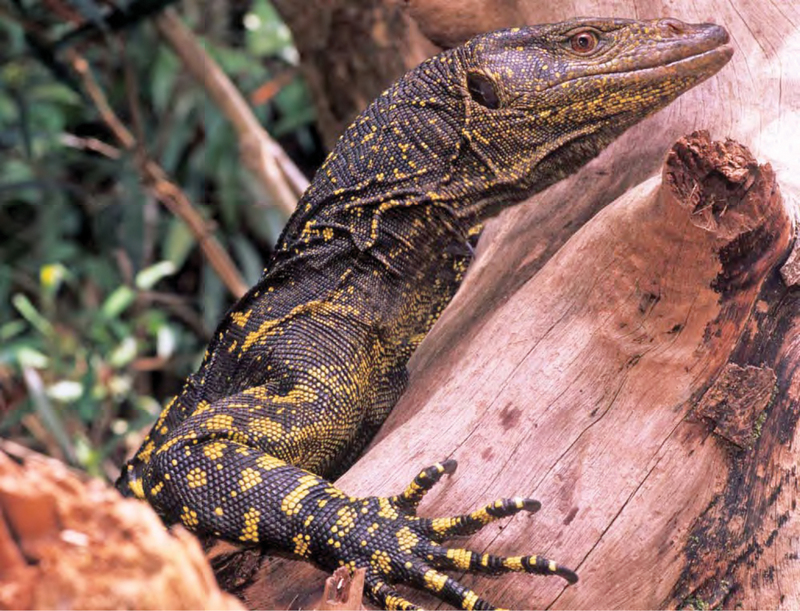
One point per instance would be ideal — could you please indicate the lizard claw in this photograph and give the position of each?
(409, 500)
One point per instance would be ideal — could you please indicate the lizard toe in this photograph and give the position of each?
(449, 558)
(470, 523)
(384, 594)
(410, 498)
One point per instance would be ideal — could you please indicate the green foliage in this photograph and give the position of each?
(105, 299)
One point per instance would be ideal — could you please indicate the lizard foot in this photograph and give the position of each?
(397, 547)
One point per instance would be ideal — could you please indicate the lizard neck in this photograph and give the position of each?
(399, 259)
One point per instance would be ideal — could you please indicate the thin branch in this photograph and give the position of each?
(157, 182)
(264, 157)
(150, 213)
(90, 144)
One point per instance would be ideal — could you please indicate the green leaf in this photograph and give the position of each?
(11, 329)
(49, 417)
(267, 34)
(213, 297)
(249, 258)
(150, 276)
(65, 391)
(123, 354)
(31, 358)
(166, 341)
(117, 302)
(31, 314)
(165, 70)
(178, 243)
(15, 171)
(92, 12)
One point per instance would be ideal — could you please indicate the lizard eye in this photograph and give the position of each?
(482, 90)
(583, 42)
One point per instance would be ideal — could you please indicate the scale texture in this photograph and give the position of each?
(303, 371)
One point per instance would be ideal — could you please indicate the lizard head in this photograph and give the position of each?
(541, 101)
(487, 124)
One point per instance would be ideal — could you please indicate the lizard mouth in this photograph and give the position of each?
(692, 59)
(701, 65)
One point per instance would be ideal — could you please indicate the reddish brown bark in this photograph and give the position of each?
(67, 542)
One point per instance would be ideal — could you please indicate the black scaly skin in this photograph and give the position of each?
(305, 368)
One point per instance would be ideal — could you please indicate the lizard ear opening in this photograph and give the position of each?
(482, 90)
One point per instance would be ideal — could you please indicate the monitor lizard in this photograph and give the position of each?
(303, 370)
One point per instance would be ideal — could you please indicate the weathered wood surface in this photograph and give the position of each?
(67, 542)
(623, 432)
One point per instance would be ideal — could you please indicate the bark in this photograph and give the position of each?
(67, 542)
(634, 366)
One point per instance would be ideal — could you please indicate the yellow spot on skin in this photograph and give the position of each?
(250, 530)
(290, 505)
(469, 600)
(218, 511)
(345, 522)
(219, 422)
(435, 580)
(147, 451)
(514, 563)
(271, 430)
(189, 517)
(157, 488)
(136, 487)
(259, 334)
(442, 525)
(386, 510)
(249, 478)
(240, 318)
(406, 539)
(214, 450)
(267, 462)
(552, 566)
(381, 561)
(301, 544)
(196, 477)
(461, 558)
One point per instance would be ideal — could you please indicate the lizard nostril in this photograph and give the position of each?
(672, 27)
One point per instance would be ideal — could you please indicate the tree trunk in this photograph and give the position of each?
(639, 372)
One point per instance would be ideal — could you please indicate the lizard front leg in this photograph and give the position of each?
(214, 476)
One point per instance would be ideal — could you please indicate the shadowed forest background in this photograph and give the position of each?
(106, 300)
